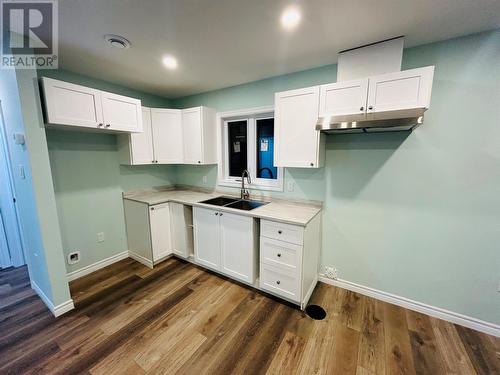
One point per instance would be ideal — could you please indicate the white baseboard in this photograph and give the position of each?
(56, 310)
(437, 312)
(141, 259)
(96, 266)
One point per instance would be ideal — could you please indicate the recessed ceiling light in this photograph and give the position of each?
(117, 41)
(290, 18)
(170, 62)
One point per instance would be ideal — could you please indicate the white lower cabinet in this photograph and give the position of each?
(289, 256)
(148, 231)
(226, 243)
(181, 224)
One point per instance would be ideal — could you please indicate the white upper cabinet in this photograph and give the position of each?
(70, 104)
(167, 135)
(343, 98)
(297, 143)
(400, 90)
(67, 104)
(199, 135)
(121, 113)
(141, 144)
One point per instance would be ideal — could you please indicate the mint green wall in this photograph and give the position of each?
(414, 214)
(89, 181)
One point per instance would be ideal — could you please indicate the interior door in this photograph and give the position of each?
(400, 90)
(297, 141)
(237, 245)
(159, 218)
(167, 135)
(192, 136)
(206, 237)
(70, 104)
(343, 98)
(121, 113)
(142, 143)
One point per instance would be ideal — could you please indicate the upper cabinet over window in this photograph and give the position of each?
(71, 105)
(298, 144)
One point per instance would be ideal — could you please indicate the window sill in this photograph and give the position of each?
(234, 184)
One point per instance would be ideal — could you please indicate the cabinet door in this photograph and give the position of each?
(343, 98)
(237, 237)
(167, 135)
(159, 217)
(206, 237)
(121, 113)
(181, 223)
(401, 90)
(297, 142)
(69, 104)
(192, 135)
(141, 144)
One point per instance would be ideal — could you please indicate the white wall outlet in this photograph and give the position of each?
(290, 185)
(205, 179)
(331, 272)
(22, 172)
(100, 237)
(73, 257)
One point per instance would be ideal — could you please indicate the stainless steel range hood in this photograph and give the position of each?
(407, 119)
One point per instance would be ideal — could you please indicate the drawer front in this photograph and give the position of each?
(280, 282)
(280, 253)
(283, 232)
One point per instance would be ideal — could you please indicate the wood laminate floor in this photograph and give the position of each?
(181, 319)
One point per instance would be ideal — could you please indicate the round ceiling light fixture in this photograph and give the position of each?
(290, 18)
(117, 41)
(170, 62)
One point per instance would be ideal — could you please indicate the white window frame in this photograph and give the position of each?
(250, 115)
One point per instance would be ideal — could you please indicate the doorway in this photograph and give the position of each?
(11, 249)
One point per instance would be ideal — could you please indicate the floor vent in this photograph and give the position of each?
(316, 312)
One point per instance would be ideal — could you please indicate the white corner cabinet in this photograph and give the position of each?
(289, 257)
(171, 136)
(79, 107)
(407, 89)
(226, 243)
(297, 143)
(155, 232)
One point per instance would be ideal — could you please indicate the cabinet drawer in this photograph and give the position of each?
(280, 253)
(283, 232)
(280, 282)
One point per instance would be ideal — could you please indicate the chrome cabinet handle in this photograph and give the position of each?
(216, 213)
(220, 214)
(311, 164)
(279, 232)
(370, 107)
(362, 108)
(278, 282)
(279, 255)
(100, 124)
(107, 125)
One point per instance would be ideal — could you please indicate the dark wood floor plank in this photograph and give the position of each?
(179, 318)
(481, 353)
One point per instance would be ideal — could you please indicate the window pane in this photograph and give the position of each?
(265, 149)
(237, 143)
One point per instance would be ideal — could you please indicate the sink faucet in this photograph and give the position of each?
(245, 194)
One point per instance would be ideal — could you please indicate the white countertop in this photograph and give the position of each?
(278, 210)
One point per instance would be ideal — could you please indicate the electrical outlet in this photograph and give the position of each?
(290, 186)
(100, 237)
(331, 272)
(205, 179)
(74, 257)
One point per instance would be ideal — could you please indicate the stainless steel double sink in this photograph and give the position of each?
(239, 204)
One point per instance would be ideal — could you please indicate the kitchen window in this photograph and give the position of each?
(247, 142)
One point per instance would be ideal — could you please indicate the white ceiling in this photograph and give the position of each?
(221, 43)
